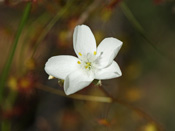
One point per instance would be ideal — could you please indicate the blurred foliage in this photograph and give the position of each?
(141, 100)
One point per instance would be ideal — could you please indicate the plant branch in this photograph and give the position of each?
(74, 96)
(107, 99)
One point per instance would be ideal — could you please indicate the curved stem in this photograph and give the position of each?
(108, 99)
(127, 12)
(74, 96)
(5, 125)
(7, 66)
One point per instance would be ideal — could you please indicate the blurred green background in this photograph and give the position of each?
(147, 61)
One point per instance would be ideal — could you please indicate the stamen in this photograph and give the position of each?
(95, 52)
(88, 63)
(51, 77)
(79, 62)
(80, 54)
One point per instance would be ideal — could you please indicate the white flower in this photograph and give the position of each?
(92, 63)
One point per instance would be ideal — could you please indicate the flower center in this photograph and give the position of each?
(87, 61)
(88, 65)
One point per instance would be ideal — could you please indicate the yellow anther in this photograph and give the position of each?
(95, 52)
(86, 67)
(51, 77)
(88, 63)
(80, 54)
(79, 62)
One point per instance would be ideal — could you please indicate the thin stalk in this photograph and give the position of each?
(127, 12)
(5, 125)
(7, 66)
(74, 96)
(10, 100)
(105, 99)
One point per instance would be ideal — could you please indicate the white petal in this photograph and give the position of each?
(83, 40)
(107, 50)
(61, 66)
(76, 81)
(109, 72)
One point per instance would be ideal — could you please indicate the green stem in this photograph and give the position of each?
(10, 100)
(8, 63)
(50, 25)
(140, 29)
(131, 17)
(8, 105)
(5, 125)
